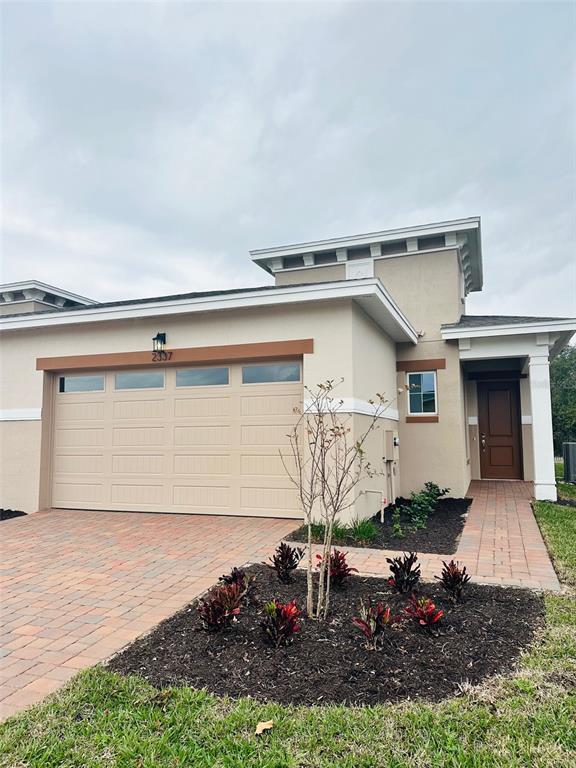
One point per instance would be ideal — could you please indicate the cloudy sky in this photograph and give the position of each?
(147, 147)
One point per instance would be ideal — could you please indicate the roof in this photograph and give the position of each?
(40, 287)
(463, 234)
(482, 321)
(368, 293)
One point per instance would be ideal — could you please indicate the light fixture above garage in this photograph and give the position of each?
(159, 342)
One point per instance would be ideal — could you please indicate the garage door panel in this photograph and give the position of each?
(140, 409)
(71, 493)
(78, 464)
(79, 438)
(203, 450)
(203, 496)
(203, 407)
(83, 411)
(138, 464)
(137, 494)
(215, 434)
(202, 464)
(269, 405)
(138, 436)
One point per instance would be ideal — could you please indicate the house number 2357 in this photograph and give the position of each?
(161, 355)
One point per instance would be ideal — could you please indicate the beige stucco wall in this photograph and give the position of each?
(327, 273)
(336, 328)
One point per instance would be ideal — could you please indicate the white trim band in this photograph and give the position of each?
(20, 414)
(526, 419)
(360, 407)
(472, 421)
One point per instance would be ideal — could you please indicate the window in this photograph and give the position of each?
(260, 374)
(93, 383)
(422, 393)
(202, 377)
(140, 380)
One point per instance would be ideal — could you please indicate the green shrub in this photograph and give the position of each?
(317, 530)
(339, 532)
(363, 531)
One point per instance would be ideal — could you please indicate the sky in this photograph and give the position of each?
(146, 147)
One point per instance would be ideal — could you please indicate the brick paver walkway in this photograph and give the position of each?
(78, 586)
(500, 544)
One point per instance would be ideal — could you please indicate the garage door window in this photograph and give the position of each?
(140, 380)
(262, 374)
(202, 377)
(81, 384)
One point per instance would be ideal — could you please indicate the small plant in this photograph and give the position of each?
(405, 572)
(246, 583)
(339, 532)
(285, 560)
(317, 530)
(434, 491)
(281, 623)
(220, 607)
(397, 529)
(339, 568)
(373, 622)
(418, 511)
(423, 611)
(453, 579)
(363, 531)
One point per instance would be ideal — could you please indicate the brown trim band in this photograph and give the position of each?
(421, 419)
(266, 350)
(436, 364)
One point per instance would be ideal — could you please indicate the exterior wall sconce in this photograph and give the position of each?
(159, 342)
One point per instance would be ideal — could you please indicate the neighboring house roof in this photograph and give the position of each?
(482, 321)
(368, 293)
(463, 234)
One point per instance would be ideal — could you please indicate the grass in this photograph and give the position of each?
(565, 490)
(102, 720)
(558, 526)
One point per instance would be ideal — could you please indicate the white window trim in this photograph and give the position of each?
(422, 413)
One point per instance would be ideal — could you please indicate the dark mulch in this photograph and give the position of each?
(328, 663)
(441, 535)
(8, 514)
(565, 502)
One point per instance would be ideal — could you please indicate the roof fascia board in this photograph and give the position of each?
(475, 332)
(458, 225)
(347, 289)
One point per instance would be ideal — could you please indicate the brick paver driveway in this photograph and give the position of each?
(78, 586)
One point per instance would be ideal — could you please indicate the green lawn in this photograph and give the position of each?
(565, 490)
(104, 720)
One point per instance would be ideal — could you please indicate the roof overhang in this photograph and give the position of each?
(559, 332)
(369, 294)
(25, 285)
(464, 234)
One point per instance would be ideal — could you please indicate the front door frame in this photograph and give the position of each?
(513, 384)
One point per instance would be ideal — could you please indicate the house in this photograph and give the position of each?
(181, 403)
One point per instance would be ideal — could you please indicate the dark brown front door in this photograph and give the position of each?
(499, 428)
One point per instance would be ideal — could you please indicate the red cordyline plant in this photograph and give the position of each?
(220, 606)
(423, 611)
(373, 622)
(405, 572)
(453, 579)
(285, 560)
(280, 623)
(246, 583)
(339, 568)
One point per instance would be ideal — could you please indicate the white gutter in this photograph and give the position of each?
(369, 293)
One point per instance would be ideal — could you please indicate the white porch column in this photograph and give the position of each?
(543, 444)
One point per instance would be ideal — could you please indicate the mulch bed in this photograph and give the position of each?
(328, 663)
(8, 514)
(441, 535)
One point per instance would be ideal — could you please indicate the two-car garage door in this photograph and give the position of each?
(196, 440)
